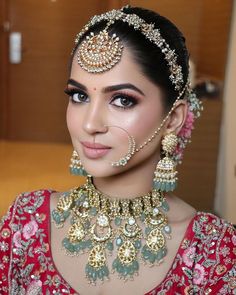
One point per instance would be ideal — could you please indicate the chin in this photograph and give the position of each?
(101, 170)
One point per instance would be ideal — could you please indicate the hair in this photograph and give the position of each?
(148, 55)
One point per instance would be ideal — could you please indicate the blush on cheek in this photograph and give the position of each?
(72, 120)
(143, 126)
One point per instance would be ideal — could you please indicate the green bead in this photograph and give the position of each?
(72, 221)
(135, 265)
(163, 186)
(57, 217)
(159, 256)
(137, 244)
(142, 217)
(165, 206)
(77, 247)
(152, 258)
(66, 214)
(145, 253)
(102, 270)
(115, 263)
(164, 252)
(65, 241)
(117, 221)
(100, 274)
(119, 241)
(84, 173)
(109, 246)
(106, 271)
(68, 246)
(174, 185)
(120, 268)
(156, 185)
(88, 268)
(89, 244)
(128, 270)
(168, 187)
(87, 224)
(125, 271)
(83, 245)
(147, 230)
(94, 275)
(93, 211)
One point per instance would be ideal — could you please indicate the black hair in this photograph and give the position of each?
(148, 55)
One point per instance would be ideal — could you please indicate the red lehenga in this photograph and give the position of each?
(204, 263)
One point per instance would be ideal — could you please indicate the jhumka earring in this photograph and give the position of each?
(165, 174)
(76, 167)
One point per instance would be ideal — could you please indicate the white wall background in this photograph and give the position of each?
(225, 203)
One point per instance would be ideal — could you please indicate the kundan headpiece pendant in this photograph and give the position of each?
(99, 53)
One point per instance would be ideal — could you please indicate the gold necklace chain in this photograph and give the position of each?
(135, 229)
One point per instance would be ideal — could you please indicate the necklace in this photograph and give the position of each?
(135, 229)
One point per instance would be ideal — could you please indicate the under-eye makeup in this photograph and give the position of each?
(76, 95)
(123, 100)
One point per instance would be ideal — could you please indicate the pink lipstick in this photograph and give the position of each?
(94, 150)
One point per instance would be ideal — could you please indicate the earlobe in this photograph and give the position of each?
(177, 117)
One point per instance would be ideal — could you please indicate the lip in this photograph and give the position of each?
(94, 150)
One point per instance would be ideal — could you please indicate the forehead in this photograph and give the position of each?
(125, 71)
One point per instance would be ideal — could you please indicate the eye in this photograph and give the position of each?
(77, 96)
(124, 101)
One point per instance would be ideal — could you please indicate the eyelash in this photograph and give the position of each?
(71, 92)
(132, 99)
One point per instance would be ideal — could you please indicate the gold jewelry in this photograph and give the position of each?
(99, 53)
(131, 149)
(165, 174)
(132, 145)
(76, 166)
(135, 228)
(93, 50)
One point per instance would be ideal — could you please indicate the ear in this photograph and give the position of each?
(177, 117)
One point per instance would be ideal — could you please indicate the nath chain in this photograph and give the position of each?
(156, 132)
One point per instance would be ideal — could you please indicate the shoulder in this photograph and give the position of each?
(24, 236)
(27, 204)
(213, 245)
(215, 235)
(206, 226)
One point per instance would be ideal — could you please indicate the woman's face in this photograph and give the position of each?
(105, 107)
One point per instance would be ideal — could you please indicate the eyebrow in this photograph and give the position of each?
(77, 84)
(108, 88)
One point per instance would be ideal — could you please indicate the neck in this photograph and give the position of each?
(132, 183)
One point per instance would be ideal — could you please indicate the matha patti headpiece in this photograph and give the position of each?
(99, 53)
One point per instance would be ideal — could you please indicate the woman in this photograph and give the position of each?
(130, 115)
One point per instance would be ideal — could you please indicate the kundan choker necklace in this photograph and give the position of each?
(135, 229)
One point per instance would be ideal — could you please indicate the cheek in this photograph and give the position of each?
(72, 119)
(142, 123)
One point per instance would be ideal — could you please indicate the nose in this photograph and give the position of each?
(94, 119)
